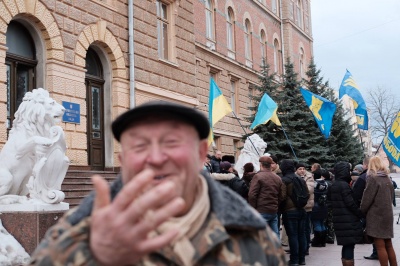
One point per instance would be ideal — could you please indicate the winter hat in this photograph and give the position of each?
(265, 159)
(209, 156)
(325, 173)
(359, 168)
(248, 167)
(225, 165)
(355, 173)
(298, 165)
(317, 174)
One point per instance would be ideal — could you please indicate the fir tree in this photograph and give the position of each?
(298, 122)
(341, 144)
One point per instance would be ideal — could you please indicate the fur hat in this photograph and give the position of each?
(298, 165)
(265, 159)
(225, 165)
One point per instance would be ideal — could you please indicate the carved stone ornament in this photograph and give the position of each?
(253, 149)
(33, 162)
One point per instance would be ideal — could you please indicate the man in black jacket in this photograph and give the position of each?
(215, 161)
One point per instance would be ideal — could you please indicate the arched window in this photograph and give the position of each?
(299, 14)
(276, 57)
(209, 19)
(301, 63)
(21, 65)
(247, 39)
(263, 40)
(230, 31)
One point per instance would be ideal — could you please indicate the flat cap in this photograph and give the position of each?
(167, 110)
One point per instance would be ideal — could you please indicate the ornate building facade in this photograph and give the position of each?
(106, 56)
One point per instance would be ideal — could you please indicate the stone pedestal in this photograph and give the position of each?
(28, 227)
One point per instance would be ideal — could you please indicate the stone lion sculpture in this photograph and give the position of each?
(253, 149)
(33, 161)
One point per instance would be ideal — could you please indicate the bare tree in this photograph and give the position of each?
(382, 109)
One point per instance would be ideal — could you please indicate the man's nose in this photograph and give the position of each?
(156, 155)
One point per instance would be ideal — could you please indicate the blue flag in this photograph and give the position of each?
(391, 142)
(322, 109)
(218, 107)
(350, 88)
(266, 111)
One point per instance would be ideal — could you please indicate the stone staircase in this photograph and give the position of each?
(77, 184)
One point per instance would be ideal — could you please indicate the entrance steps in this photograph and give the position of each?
(77, 184)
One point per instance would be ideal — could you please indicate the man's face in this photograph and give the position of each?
(172, 149)
(274, 165)
(301, 171)
(218, 155)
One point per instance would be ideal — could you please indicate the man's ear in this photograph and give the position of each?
(203, 150)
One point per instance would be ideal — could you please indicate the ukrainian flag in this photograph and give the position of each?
(218, 107)
(349, 87)
(266, 111)
(322, 109)
(391, 142)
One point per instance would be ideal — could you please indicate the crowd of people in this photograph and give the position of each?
(165, 209)
(344, 203)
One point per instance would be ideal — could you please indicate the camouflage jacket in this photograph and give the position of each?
(233, 234)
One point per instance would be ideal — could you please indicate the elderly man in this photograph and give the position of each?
(161, 211)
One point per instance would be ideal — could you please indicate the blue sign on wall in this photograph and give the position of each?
(72, 113)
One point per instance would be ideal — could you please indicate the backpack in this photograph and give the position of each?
(300, 193)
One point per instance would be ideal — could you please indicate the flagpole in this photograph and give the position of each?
(245, 132)
(284, 132)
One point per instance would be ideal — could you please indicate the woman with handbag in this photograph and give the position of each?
(376, 203)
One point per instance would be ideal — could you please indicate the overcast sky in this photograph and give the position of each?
(362, 36)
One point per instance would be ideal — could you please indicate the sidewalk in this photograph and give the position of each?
(331, 254)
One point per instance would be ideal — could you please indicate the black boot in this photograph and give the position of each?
(316, 240)
(322, 241)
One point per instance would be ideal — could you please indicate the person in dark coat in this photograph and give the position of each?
(207, 164)
(215, 161)
(227, 178)
(294, 219)
(248, 173)
(346, 214)
(320, 210)
(376, 203)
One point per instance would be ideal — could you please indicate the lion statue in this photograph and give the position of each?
(33, 161)
(253, 149)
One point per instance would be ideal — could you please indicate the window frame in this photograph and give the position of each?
(263, 42)
(230, 29)
(170, 40)
(209, 12)
(247, 40)
(299, 13)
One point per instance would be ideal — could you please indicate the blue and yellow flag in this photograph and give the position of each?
(266, 111)
(391, 142)
(218, 107)
(349, 87)
(322, 109)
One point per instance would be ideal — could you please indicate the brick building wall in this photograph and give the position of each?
(63, 31)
